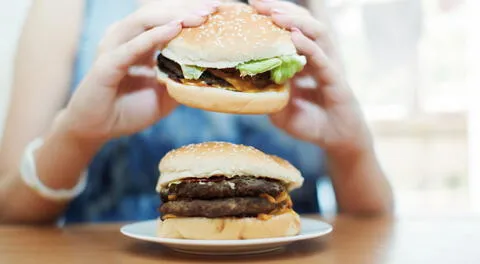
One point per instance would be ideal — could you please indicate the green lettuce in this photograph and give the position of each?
(258, 66)
(289, 67)
(282, 68)
(192, 72)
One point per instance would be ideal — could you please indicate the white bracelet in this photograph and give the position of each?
(29, 175)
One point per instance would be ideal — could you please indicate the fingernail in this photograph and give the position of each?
(278, 11)
(294, 29)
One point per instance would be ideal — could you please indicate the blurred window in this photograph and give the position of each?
(406, 61)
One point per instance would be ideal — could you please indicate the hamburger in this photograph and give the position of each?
(219, 190)
(239, 61)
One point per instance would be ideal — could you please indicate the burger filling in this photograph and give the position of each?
(253, 76)
(225, 197)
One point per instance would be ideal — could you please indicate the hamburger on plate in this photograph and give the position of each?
(219, 190)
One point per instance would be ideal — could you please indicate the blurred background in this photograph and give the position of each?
(413, 65)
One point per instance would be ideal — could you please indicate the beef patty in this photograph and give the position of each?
(236, 207)
(174, 72)
(169, 67)
(222, 187)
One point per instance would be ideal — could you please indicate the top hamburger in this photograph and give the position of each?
(237, 62)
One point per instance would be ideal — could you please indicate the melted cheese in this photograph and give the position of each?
(264, 217)
(243, 85)
(273, 213)
(282, 197)
(237, 82)
(194, 82)
(279, 199)
(289, 202)
(168, 216)
(268, 197)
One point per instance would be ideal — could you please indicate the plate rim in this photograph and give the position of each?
(226, 243)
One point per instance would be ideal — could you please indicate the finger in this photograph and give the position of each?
(302, 119)
(308, 118)
(311, 27)
(197, 18)
(331, 89)
(316, 58)
(154, 15)
(306, 88)
(113, 66)
(289, 15)
(306, 82)
(161, 13)
(268, 7)
(325, 96)
(141, 108)
(142, 71)
(138, 78)
(303, 72)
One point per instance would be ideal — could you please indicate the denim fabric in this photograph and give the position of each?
(123, 175)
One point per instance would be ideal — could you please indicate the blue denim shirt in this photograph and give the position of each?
(123, 175)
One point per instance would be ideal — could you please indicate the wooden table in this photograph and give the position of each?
(381, 240)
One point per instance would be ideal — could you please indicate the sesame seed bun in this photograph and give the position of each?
(209, 159)
(226, 101)
(233, 35)
(287, 224)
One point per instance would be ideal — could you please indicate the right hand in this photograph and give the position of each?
(109, 101)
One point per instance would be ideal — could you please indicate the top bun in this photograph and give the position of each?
(221, 158)
(233, 35)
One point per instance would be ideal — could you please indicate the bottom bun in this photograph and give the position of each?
(226, 101)
(287, 224)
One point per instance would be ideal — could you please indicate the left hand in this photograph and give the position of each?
(322, 108)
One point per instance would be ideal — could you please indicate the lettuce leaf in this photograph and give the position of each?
(192, 72)
(289, 67)
(258, 66)
(283, 68)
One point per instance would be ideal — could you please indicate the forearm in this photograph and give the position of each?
(360, 185)
(59, 162)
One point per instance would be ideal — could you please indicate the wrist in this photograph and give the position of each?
(347, 162)
(64, 129)
(354, 145)
(61, 147)
(352, 152)
(30, 177)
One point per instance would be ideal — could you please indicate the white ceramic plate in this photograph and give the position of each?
(146, 230)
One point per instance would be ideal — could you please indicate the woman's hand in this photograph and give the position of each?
(120, 95)
(322, 109)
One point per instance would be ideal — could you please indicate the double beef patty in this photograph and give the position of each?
(221, 197)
